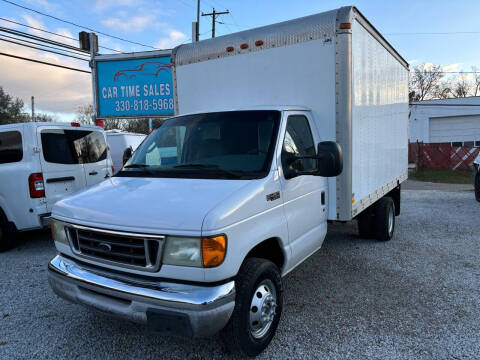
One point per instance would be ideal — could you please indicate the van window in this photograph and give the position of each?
(11, 149)
(73, 146)
(299, 141)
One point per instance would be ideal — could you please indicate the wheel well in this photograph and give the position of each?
(269, 249)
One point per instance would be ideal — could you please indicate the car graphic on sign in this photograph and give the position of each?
(149, 68)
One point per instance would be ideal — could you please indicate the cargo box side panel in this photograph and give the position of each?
(379, 118)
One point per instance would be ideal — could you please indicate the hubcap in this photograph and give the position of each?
(262, 309)
(390, 220)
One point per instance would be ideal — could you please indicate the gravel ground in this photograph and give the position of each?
(415, 297)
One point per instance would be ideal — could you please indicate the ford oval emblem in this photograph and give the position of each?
(105, 247)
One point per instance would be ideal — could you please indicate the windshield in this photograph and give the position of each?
(225, 145)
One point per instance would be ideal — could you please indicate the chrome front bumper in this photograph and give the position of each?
(179, 309)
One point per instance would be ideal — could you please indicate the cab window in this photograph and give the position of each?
(299, 142)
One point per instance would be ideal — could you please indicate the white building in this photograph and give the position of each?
(455, 121)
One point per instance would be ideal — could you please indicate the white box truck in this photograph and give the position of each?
(196, 239)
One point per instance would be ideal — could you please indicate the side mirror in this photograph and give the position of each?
(330, 159)
(127, 154)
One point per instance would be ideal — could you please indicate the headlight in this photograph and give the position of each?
(58, 231)
(184, 251)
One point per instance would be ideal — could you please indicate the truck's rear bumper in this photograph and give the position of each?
(178, 309)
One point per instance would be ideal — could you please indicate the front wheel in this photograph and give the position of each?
(258, 307)
(477, 187)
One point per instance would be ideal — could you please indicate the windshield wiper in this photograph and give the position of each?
(145, 167)
(217, 168)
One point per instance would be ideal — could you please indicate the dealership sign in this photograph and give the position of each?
(134, 87)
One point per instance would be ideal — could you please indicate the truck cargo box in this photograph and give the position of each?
(334, 63)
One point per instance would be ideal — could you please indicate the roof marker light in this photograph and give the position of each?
(259, 43)
(229, 48)
(244, 46)
(75, 124)
(345, 26)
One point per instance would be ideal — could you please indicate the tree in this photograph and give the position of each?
(476, 81)
(11, 110)
(424, 82)
(84, 114)
(461, 87)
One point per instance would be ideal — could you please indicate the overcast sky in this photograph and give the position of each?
(167, 23)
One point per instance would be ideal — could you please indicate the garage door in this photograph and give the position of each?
(455, 128)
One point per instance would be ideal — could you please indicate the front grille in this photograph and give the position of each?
(131, 250)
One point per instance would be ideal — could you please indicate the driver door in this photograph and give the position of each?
(304, 196)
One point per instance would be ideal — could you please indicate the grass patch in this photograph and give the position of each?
(443, 176)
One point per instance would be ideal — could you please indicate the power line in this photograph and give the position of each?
(77, 25)
(39, 48)
(449, 72)
(41, 39)
(214, 15)
(44, 62)
(43, 45)
(53, 33)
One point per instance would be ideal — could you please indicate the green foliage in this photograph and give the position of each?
(11, 110)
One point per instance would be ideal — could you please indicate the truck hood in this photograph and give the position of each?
(159, 204)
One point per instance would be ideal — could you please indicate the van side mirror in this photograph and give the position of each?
(329, 160)
(127, 154)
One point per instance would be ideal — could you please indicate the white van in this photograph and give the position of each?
(118, 141)
(279, 130)
(40, 163)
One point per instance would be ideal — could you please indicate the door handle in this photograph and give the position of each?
(93, 173)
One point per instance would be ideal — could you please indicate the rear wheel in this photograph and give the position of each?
(7, 234)
(258, 307)
(477, 187)
(384, 219)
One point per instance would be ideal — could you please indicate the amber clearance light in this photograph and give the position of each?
(213, 250)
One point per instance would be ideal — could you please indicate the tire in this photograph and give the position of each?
(384, 219)
(257, 284)
(7, 234)
(365, 222)
(477, 187)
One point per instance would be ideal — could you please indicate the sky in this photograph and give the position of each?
(167, 23)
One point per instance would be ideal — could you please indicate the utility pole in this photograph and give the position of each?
(214, 15)
(33, 108)
(197, 33)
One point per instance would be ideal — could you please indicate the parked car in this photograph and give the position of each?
(40, 163)
(118, 141)
(476, 177)
(195, 233)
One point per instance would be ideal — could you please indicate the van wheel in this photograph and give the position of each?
(477, 187)
(365, 223)
(7, 234)
(384, 219)
(258, 307)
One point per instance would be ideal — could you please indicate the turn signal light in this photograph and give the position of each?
(213, 250)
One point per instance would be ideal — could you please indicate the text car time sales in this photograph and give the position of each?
(131, 91)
